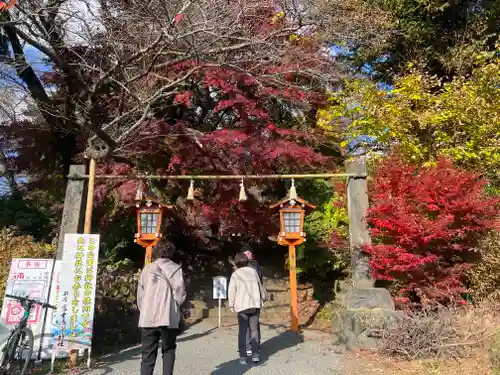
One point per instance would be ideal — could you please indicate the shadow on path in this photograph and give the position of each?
(274, 345)
(104, 364)
(194, 336)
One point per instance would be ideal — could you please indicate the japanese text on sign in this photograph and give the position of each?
(81, 255)
(219, 287)
(27, 277)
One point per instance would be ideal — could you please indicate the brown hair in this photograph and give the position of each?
(240, 260)
(164, 249)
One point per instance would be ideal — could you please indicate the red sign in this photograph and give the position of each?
(32, 264)
(15, 313)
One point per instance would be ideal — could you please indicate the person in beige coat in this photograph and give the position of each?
(160, 292)
(246, 296)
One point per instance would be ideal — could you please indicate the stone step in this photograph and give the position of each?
(276, 308)
(275, 313)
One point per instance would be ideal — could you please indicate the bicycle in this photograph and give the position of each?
(12, 361)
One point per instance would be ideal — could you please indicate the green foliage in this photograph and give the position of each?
(326, 315)
(425, 118)
(330, 218)
(440, 36)
(324, 251)
(34, 215)
(117, 226)
(116, 310)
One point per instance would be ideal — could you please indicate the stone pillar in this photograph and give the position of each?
(359, 235)
(74, 207)
(366, 310)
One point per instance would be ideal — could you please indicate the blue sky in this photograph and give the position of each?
(36, 59)
(366, 69)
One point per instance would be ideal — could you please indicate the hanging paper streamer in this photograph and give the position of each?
(293, 192)
(243, 195)
(190, 196)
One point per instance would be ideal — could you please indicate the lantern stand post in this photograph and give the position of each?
(292, 210)
(294, 310)
(149, 254)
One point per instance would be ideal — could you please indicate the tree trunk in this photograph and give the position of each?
(63, 139)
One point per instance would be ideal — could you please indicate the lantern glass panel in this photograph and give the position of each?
(292, 221)
(149, 222)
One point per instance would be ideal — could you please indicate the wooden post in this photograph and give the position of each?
(149, 253)
(73, 356)
(90, 198)
(292, 260)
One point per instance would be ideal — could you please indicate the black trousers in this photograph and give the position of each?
(150, 342)
(249, 338)
(248, 321)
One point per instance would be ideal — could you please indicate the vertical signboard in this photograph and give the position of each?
(32, 278)
(220, 291)
(77, 287)
(53, 317)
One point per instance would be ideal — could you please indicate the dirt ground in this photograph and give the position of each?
(366, 363)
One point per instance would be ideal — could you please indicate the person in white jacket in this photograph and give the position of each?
(160, 292)
(246, 296)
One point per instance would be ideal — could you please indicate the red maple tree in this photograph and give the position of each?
(232, 91)
(426, 223)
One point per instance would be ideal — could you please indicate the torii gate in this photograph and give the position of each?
(75, 219)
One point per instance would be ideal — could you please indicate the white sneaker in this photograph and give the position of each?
(249, 353)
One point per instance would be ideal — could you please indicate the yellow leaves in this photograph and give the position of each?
(459, 119)
(293, 37)
(278, 16)
(326, 118)
(429, 164)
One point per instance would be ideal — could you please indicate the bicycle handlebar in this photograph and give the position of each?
(26, 299)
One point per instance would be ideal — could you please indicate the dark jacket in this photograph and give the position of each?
(255, 265)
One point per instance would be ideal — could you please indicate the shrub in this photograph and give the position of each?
(449, 332)
(484, 277)
(426, 224)
(326, 248)
(13, 245)
(116, 313)
(36, 213)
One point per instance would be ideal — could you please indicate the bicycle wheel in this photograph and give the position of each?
(8, 352)
(17, 358)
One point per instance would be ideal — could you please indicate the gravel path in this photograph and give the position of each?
(204, 350)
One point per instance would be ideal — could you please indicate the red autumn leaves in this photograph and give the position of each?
(426, 223)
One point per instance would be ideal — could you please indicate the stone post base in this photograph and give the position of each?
(367, 312)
